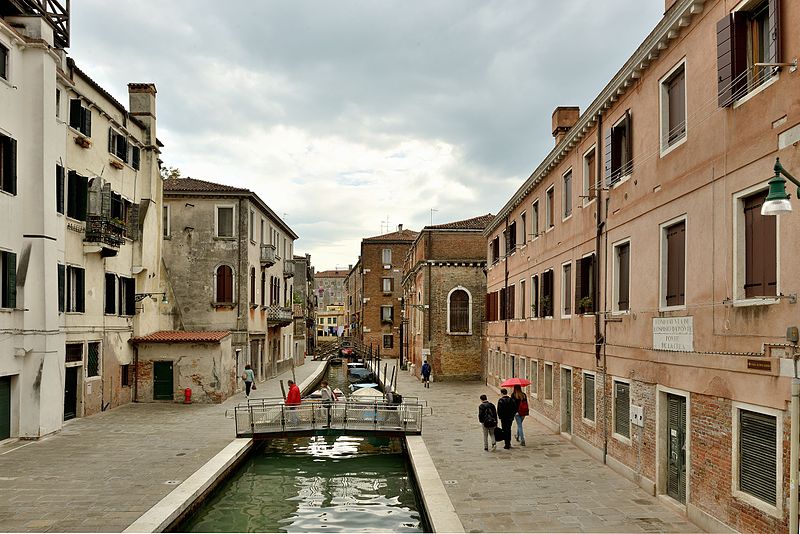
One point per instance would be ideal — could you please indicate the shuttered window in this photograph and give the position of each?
(511, 236)
(263, 287)
(491, 306)
(674, 92)
(619, 150)
(8, 165)
(548, 381)
(567, 195)
(252, 285)
(585, 293)
(127, 296)
(62, 286)
(535, 296)
(387, 314)
(757, 455)
(566, 281)
(510, 308)
(3, 62)
(59, 189)
(622, 409)
(77, 195)
(760, 254)
(546, 303)
(388, 341)
(623, 253)
(588, 397)
(459, 311)
(550, 208)
(676, 264)
(126, 375)
(522, 311)
(224, 285)
(523, 235)
(535, 220)
(589, 175)
(80, 117)
(8, 280)
(110, 294)
(502, 305)
(225, 221)
(495, 250)
(388, 285)
(76, 296)
(533, 376)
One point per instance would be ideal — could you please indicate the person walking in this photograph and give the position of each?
(521, 401)
(249, 378)
(506, 409)
(293, 401)
(426, 374)
(328, 396)
(487, 415)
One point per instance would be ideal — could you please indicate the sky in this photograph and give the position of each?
(350, 117)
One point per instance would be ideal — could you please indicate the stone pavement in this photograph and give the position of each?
(100, 473)
(548, 486)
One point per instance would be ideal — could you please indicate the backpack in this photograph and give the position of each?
(489, 419)
(523, 407)
(244, 375)
(397, 398)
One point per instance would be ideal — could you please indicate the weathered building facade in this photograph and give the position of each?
(353, 301)
(444, 284)
(330, 288)
(304, 304)
(230, 266)
(634, 280)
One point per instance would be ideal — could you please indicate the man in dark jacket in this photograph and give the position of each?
(487, 415)
(506, 409)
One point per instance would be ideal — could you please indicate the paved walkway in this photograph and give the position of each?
(100, 473)
(548, 486)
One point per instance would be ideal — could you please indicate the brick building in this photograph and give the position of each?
(353, 301)
(378, 312)
(635, 281)
(330, 287)
(444, 284)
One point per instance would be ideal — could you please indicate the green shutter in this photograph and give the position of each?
(61, 288)
(130, 297)
(80, 287)
(622, 409)
(11, 280)
(757, 455)
(82, 194)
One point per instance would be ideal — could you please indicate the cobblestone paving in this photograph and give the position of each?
(548, 486)
(100, 473)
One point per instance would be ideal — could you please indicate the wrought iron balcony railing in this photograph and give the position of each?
(105, 230)
(279, 316)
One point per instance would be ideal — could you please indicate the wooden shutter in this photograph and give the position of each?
(535, 297)
(588, 397)
(75, 118)
(607, 154)
(510, 303)
(8, 176)
(252, 285)
(132, 222)
(130, 297)
(622, 407)
(225, 284)
(578, 285)
(86, 122)
(135, 158)
(676, 96)
(112, 141)
(676, 255)
(81, 193)
(757, 455)
(62, 275)
(80, 290)
(731, 57)
(459, 311)
(59, 189)
(566, 279)
(774, 54)
(10, 297)
(623, 262)
(627, 165)
(761, 264)
(111, 293)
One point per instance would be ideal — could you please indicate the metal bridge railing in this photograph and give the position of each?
(271, 417)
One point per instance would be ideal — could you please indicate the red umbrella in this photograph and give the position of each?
(522, 382)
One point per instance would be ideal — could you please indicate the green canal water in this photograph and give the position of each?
(316, 484)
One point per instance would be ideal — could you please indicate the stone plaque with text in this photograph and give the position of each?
(673, 333)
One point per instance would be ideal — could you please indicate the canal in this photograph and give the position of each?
(321, 483)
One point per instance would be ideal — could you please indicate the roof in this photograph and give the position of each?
(402, 235)
(475, 223)
(193, 186)
(333, 273)
(181, 336)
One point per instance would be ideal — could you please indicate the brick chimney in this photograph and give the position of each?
(142, 104)
(399, 227)
(564, 118)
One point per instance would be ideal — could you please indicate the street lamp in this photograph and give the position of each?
(141, 296)
(777, 201)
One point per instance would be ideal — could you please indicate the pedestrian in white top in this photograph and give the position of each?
(328, 396)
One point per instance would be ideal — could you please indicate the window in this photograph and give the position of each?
(535, 220)
(549, 208)
(126, 375)
(760, 249)
(459, 312)
(74, 352)
(3, 62)
(62, 287)
(523, 229)
(619, 149)
(127, 296)
(388, 285)
(533, 376)
(77, 195)
(622, 266)
(522, 311)
(673, 107)
(387, 256)
(492, 307)
(745, 37)
(548, 381)
(534, 296)
(566, 290)
(93, 360)
(510, 307)
(546, 302)
(567, 195)
(495, 250)
(387, 314)
(388, 341)
(758, 454)
(252, 226)
(622, 409)
(589, 175)
(673, 279)
(588, 396)
(252, 286)
(76, 297)
(585, 291)
(118, 144)
(8, 279)
(263, 231)
(511, 238)
(110, 306)
(165, 222)
(58, 103)
(59, 189)
(224, 284)
(80, 117)
(225, 221)
(135, 157)
(8, 165)
(263, 287)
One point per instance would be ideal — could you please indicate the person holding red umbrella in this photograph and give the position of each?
(521, 400)
(506, 410)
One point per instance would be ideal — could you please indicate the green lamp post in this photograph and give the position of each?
(777, 201)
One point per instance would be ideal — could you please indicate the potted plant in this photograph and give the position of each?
(547, 304)
(585, 304)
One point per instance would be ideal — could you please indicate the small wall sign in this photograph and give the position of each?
(673, 333)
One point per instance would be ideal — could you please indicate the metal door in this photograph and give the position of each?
(5, 407)
(676, 449)
(566, 401)
(162, 381)
(71, 392)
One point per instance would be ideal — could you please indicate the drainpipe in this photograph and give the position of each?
(793, 458)
(239, 237)
(135, 373)
(428, 299)
(599, 337)
(505, 284)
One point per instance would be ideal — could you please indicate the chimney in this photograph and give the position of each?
(349, 267)
(142, 104)
(564, 118)
(399, 227)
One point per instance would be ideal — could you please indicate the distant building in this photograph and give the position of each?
(330, 287)
(353, 301)
(444, 289)
(329, 322)
(304, 304)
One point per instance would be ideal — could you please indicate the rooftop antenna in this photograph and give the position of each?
(385, 224)
(433, 210)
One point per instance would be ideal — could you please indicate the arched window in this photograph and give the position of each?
(252, 285)
(459, 312)
(224, 283)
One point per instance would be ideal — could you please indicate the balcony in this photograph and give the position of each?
(267, 255)
(104, 235)
(288, 269)
(279, 316)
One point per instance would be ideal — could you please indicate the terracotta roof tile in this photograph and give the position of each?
(193, 184)
(475, 223)
(180, 336)
(331, 274)
(402, 235)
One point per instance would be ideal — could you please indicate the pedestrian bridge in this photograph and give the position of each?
(264, 418)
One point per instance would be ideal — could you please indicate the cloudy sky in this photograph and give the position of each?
(343, 114)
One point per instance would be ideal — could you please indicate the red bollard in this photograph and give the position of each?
(187, 396)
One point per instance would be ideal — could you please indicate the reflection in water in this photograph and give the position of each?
(344, 484)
